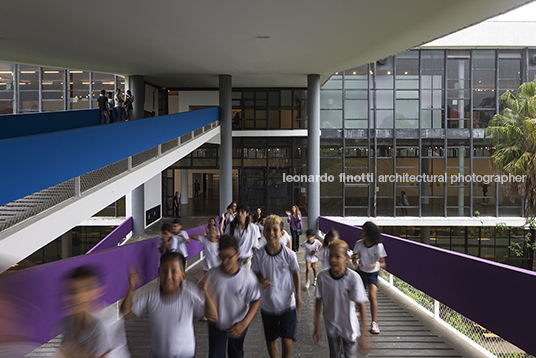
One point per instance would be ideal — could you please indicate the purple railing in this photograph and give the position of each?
(32, 300)
(113, 238)
(496, 296)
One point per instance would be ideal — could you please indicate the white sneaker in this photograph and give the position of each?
(314, 282)
(307, 284)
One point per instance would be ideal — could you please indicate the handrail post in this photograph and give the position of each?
(390, 280)
(77, 192)
(130, 163)
(436, 309)
(159, 153)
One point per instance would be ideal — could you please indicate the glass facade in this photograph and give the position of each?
(421, 113)
(29, 89)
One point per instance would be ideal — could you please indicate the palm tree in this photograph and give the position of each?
(513, 134)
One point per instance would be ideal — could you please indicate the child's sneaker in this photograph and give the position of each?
(307, 284)
(314, 282)
(374, 329)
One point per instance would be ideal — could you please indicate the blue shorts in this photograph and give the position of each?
(283, 326)
(369, 278)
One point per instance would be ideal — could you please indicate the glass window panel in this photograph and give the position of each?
(431, 119)
(52, 96)
(384, 119)
(458, 69)
(273, 99)
(484, 79)
(407, 84)
(510, 54)
(53, 74)
(260, 103)
(407, 94)
(28, 78)
(356, 109)
(333, 84)
(384, 81)
(406, 108)
(384, 99)
(330, 118)
(261, 114)
(404, 123)
(510, 69)
(273, 120)
(356, 84)
(331, 206)
(79, 100)
(330, 99)
(79, 80)
(6, 94)
(356, 95)
(357, 71)
(260, 95)
(483, 98)
(6, 107)
(355, 124)
(29, 101)
(286, 98)
(484, 59)
(248, 95)
(431, 99)
(512, 84)
(355, 195)
(482, 118)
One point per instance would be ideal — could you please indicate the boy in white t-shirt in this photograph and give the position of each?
(210, 247)
(371, 254)
(341, 290)
(182, 237)
(277, 270)
(171, 308)
(236, 294)
(285, 239)
(246, 233)
(167, 242)
(312, 245)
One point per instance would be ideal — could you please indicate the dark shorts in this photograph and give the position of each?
(369, 278)
(283, 326)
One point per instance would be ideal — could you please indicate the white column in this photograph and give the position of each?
(226, 133)
(313, 150)
(184, 186)
(138, 211)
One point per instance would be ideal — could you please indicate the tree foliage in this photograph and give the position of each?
(513, 135)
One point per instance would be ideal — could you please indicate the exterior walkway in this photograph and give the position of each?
(405, 330)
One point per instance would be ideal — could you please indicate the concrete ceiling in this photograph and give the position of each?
(188, 43)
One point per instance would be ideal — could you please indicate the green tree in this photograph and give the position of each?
(513, 135)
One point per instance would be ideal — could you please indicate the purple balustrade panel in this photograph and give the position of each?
(195, 247)
(496, 296)
(114, 237)
(36, 295)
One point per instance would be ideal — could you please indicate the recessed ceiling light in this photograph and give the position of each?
(262, 37)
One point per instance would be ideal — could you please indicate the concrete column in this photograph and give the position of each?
(138, 211)
(226, 133)
(313, 157)
(184, 186)
(67, 245)
(425, 234)
(137, 87)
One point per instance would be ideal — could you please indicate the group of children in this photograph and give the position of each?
(243, 271)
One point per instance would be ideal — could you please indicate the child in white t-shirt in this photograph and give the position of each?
(371, 254)
(210, 248)
(236, 294)
(312, 245)
(277, 270)
(285, 239)
(171, 308)
(246, 233)
(167, 242)
(341, 290)
(182, 237)
(323, 252)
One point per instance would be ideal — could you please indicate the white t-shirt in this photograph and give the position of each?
(234, 293)
(118, 100)
(182, 243)
(93, 341)
(339, 296)
(261, 228)
(211, 250)
(172, 328)
(369, 256)
(309, 248)
(115, 330)
(247, 238)
(323, 256)
(278, 269)
(173, 244)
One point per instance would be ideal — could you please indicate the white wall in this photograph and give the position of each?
(197, 98)
(173, 103)
(151, 99)
(153, 191)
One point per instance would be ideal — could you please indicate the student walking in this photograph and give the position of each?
(246, 233)
(371, 254)
(312, 245)
(278, 272)
(341, 291)
(237, 297)
(171, 308)
(295, 221)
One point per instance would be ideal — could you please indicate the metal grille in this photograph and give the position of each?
(24, 208)
(418, 296)
(96, 177)
(198, 132)
(482, 336)
(479, 334)
(144, 156)
(186, 137)
(208, 127)
(169, 145)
